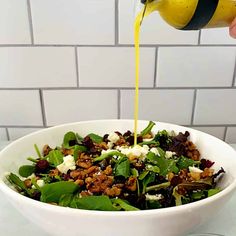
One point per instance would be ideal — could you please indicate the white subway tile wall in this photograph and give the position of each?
(75, 105)
(105, 67)
(195, 66)
(32, 67)
(218, 132)
(14, 24)
(73, 22)
(20, 107)
(231, 135)
(173, 106)
(3, 134)
(215, 106)
(15, 133)
(216, 36)
(65, 61)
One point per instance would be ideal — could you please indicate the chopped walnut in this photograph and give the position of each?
(80, 182)
(113, 191)
(191, 151)
(108, 170)
(207, 173)
(66, 152)
(195, 176)
(28, 183)
(54, 172)
(148, 136)
(170, 176)
(46, 150)
(131, 184)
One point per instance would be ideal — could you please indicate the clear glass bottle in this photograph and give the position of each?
(192, 14)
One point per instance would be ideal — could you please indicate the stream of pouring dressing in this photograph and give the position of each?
(147, 10)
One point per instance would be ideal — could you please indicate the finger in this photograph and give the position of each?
(232, 29)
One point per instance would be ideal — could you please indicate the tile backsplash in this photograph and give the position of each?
(65, 61)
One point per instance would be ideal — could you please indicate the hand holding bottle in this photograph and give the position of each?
(232, 29)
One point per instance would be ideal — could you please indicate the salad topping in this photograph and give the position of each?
(109, 173)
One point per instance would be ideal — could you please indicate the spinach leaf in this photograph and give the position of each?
(166, 166)
(184, 162)
(151, 204)
(14, 179)
(108, 154)
(163, 138)
(213, 191)
(100, 203)
(150, 178)
(152, 158)
(26, 170)
(55, 157)
(151, 142)
(96, 138)
(152, 168)
(69, 140)
(124, 205)
(65, 200)
(52, 192)
(79, 139)
(197, 195)
(148, 129)
(77, 150)
(143, 174)
(122, 167)
(161, 152)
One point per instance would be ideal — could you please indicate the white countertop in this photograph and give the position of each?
(13, 224)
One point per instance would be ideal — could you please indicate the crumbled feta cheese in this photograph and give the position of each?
(169, 154)
(110, 145)
(40, 183)
(137, 150)
(67, 164)
(194, 169)
(155, 151)
(153, 197)
(113, 137)
(31, 176)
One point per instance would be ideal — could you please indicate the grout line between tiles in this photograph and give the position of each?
(22, 126)
(76, 67)
(8, 134)
(199, 37)
(225, 133)
(123, 88)
(42, 107)
(194, 105)
(30, 21)
(155, 67)
(234, 74)
(118, 45)
(116, 22)
(119, 104)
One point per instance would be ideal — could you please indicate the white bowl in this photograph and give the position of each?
(173, 221)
